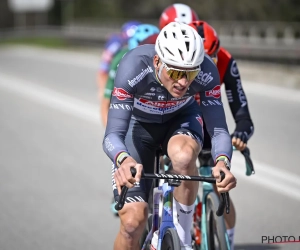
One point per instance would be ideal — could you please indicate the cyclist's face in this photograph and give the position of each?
(176, 87)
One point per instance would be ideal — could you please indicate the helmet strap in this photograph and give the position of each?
(159, 74)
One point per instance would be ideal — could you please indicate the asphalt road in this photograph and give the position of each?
(55, 180)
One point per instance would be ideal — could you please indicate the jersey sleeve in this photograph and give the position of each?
(121, 108)
(112, 74)
(214, 116)
(237, 97)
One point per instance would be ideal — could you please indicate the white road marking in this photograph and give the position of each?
(51, 98)
(91, 61)
(270, 91)
(269, 177)
(272, 178)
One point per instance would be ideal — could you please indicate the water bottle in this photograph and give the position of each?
(154, 241)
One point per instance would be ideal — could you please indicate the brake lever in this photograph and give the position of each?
(224, 201)
(123, 194)
(249, 164)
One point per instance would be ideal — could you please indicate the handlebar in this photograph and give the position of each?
(224, 201)
(224, 198)
(249, 164)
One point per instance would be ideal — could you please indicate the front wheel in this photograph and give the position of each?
(170, 240)
(216, 230)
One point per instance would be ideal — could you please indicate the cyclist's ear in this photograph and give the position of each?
(156, 60)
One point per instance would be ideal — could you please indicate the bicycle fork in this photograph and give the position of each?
(166, 192)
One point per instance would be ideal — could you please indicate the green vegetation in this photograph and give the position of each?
(36, 41)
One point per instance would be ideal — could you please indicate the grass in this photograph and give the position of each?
(40, 41)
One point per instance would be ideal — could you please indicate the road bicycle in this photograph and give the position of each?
(162, 229)
(209, 231)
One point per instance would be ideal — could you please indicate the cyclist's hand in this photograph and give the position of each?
(243, 131)
(123, 176)
(229, 181)
(239, 140)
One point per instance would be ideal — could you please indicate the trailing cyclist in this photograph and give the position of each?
(142, 32)
(153, 106)
(113, 45)
(177, 12)
(230, 76)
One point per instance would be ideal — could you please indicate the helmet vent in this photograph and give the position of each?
(212, 46)
(200, 31)
(193, 55)
(169, 51)
(165, 34)
(180, 52)
(187, 44)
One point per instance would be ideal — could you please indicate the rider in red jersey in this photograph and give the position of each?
(230, 77)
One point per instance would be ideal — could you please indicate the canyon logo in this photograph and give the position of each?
(215, 92)
(121, 94)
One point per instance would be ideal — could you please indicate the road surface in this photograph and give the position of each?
(55, 180)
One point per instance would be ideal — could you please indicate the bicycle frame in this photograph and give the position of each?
(166, 192)
(205, 170)
(207, 188)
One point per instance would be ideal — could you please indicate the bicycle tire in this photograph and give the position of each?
(145, 233)
(170, 240)
(215, 225)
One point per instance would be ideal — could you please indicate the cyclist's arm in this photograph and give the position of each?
(214, 118)
(105, 101)
(112, 46)
(237, 99)
(120, 110)
(112, 73)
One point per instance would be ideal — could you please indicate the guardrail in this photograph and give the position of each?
(263, 41)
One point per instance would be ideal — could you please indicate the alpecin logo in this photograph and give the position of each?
(121, 94)
(215, 92)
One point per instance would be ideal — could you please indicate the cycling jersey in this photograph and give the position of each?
(112, 72)
(230, 76)
(114, 43)
(138, 95)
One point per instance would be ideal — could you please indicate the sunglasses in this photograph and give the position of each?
(177, 74)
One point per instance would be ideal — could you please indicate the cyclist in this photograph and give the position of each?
(177, 12)
(152, 104)
(114, 43)
(230, 76)
(142, 32)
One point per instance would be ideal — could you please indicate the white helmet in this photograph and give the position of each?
(180, 45)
